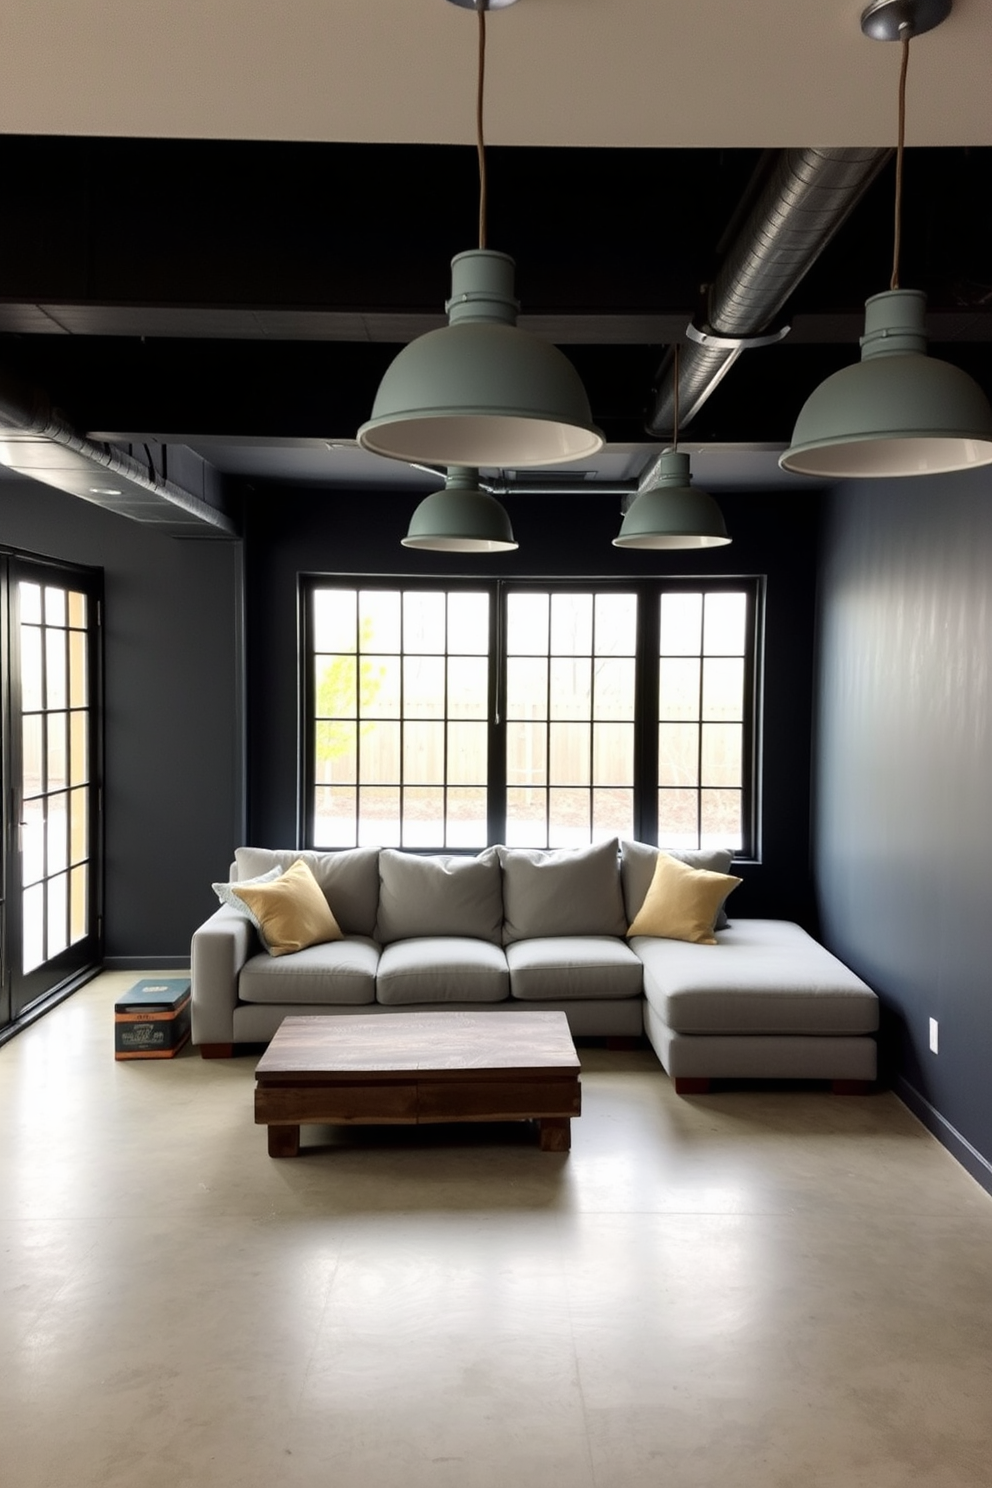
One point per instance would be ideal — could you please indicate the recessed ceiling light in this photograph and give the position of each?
(105, 491)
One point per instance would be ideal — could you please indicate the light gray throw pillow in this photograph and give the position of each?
(567, 891)
(637, 860)
(349, 879)
(442, 894)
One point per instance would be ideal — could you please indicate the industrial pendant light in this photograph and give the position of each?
(480, 391)
(897, 411)
(461, 519)
(672, 512)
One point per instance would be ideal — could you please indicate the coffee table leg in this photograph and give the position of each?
(284, 1141)
(556, 1133)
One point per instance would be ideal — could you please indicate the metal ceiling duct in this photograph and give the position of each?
(36, 442)
(807, 196)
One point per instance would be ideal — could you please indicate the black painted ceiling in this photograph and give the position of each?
(91, 226)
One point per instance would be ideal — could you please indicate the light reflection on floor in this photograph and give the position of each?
(771, 1288)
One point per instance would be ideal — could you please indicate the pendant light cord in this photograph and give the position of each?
(479, 133)
(675, 402)
(900, 152)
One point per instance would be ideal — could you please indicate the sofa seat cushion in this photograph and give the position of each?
(563, 967)
(337, 972)
(762, 977)
(442, 968)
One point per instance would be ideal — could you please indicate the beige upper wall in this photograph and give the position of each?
(561, 72)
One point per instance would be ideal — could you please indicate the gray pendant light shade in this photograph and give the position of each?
(897, 411)
(460, 519)
(479, 391)
(673, 513)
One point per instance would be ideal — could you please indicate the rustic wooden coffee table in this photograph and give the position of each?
(419, 1067)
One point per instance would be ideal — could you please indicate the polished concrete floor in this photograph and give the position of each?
(781, 1289)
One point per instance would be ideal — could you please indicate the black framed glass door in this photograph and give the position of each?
(51, 880)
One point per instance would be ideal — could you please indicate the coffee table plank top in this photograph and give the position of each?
(442, 1043)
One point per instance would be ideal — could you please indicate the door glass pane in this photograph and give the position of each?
(58, 907)
(77, 669)
(33, 927)
(78, 907)
(32, 694)
(54, 606)
(57, 834)
(32, 841)
(55, 691)
(31, 758)
(30, 603)
(56, 772)
(78, 825)
(79, 748)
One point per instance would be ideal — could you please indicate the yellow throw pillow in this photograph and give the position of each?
(682, 902)
(290, 913)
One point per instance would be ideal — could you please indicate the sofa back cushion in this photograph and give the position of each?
(443, 894)
(638, 862)
(349, 879)
(566, 891)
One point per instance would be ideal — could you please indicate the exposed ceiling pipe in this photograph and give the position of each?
(36, 442)
(807, 196)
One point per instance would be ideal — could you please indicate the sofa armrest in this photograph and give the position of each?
(220, 948)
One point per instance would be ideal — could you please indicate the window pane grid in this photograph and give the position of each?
(404, 748)
(570, 716)
(400, 731)
(701, 711)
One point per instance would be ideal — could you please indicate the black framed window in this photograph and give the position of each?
(450, 714)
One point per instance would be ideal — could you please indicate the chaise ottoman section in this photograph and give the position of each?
(566, 967)
(442, 969)
(767, 1001)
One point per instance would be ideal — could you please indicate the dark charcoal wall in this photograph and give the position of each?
(172, 799)
(903, 797)
(330, 532)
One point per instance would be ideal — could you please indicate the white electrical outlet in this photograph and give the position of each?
(933, 1035)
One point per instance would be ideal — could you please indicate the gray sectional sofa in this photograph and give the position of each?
(520, 928)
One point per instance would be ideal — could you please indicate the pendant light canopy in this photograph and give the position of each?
(460, 519)
(480, 391)
(673, 513)
(898, 411)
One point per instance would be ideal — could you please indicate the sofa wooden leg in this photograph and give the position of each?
(216, 1051)
(852, 1087)
(691, 1085)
